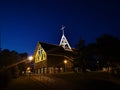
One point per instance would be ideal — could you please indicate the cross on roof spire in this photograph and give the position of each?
(64, 43)
(63, 27)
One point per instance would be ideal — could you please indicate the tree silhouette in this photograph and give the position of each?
(80, 61)
(7, 58)
(103, 53)
(107, 50)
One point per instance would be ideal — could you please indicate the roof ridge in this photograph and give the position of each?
(49, 43)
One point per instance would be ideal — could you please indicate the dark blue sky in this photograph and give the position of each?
(25, 22)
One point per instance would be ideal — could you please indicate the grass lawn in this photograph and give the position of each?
(86, 76)
(90, 80)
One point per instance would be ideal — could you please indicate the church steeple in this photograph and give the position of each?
(64, 43)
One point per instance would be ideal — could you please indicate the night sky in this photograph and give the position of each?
(25, 22)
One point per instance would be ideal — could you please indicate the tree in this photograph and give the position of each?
(7, 58)
(11, 57)
(80, 61)
(107, 50)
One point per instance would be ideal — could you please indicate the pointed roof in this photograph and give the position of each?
(50, 48)
(64, 43)
(55, 50)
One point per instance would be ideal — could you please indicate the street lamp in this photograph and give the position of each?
(65, 62)
(30, 58)
(28, 68)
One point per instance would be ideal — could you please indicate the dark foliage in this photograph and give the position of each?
(103, 53)
(8, 58)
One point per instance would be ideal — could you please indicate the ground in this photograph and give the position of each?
(63, 81)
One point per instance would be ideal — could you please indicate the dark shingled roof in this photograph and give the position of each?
(57, 50)
(49, 48)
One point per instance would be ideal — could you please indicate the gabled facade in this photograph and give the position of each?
(40, 54)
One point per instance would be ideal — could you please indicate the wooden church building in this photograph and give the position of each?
(50, 58)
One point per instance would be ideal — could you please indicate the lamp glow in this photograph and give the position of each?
(30, 58)
(65, 61)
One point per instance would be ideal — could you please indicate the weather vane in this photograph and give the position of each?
(63, 27)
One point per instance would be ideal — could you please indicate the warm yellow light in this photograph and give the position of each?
(30, 58)
(28, 68)
(65, 61)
